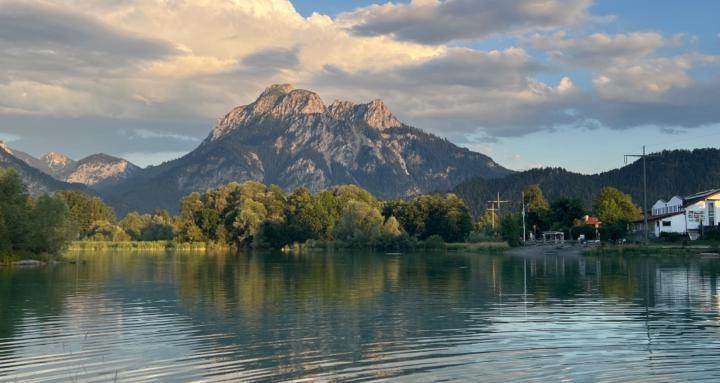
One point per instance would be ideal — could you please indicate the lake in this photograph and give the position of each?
(357, 316)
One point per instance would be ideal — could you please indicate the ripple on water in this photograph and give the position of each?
(417, 318)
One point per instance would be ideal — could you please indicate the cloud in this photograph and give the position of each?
(162, 71)
(439, 22)
(627, 67)
(599, 49)
(47, 38)
(464, 91)
(146, 134)
(273, 58)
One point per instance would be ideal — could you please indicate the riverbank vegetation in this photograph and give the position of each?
(238, 215)
(612, 207)
(30, 226)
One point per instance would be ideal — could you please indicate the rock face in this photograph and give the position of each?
(56, 164)
(96, 171)
(35, 181)
(290, 138)
(99, 170)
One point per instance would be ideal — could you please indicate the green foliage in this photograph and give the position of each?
(535, 199)
(424, 216)
(677, 172)
(678, 237)
(85, 210)
(511, 229)
(30, 226)
(434, 242)
(613, 206)
(359, 224)
(564, 212)
(107, 231)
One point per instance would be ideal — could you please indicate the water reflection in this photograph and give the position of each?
(345, 316)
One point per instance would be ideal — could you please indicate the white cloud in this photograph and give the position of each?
(145, 134)
(163, 62)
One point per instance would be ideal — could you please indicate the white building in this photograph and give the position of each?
(690, 215)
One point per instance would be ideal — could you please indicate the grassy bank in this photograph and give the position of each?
(140, 246)
(483, 247)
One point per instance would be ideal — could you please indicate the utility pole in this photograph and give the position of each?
(498, 202)
(492, 211)
(645, 208)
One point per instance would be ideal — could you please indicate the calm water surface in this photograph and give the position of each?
(358, 317)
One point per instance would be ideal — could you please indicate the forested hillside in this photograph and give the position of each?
(677, 172)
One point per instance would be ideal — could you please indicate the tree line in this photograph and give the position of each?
(236, 215)
(252, 214)
(612, 207)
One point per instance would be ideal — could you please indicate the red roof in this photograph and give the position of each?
(593, 221)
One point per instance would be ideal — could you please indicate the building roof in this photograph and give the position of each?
(660, 216)
(691, 199)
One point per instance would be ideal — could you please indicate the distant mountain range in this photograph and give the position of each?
(670, 173)
(36, 180)
(55, 171)
(290, 138)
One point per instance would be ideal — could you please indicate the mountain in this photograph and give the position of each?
(36, 181)
(290, 138)
(670, 173)
(98, 171)
(56, 164)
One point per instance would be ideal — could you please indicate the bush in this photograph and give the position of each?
(711, 234)
(434, 242)
(672, 237)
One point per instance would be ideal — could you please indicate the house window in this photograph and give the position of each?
(657, 224)
(667, 223)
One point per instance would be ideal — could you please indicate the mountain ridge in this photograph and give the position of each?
(670, 173)
(35, 180)
(290, 138)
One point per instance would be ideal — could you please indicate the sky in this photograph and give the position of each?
(569, 83)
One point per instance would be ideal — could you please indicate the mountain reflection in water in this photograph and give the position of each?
(360, 316)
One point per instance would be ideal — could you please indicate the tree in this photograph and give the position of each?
(5, 244)
(134, 224)
(443, 215)
(360, 223)
(511, 229)
(187, 223)
(50, 227)
(391, 227)
(537, 209)
(613, 206)
(107, 231)
(85, 210)
(14, 204)
(535, 199)
(564, 212)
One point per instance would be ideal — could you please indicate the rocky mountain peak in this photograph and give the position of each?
(375, 113)
(56, 160)
(282, 100)
(378, 115)
(4, 147)
(298, 101)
